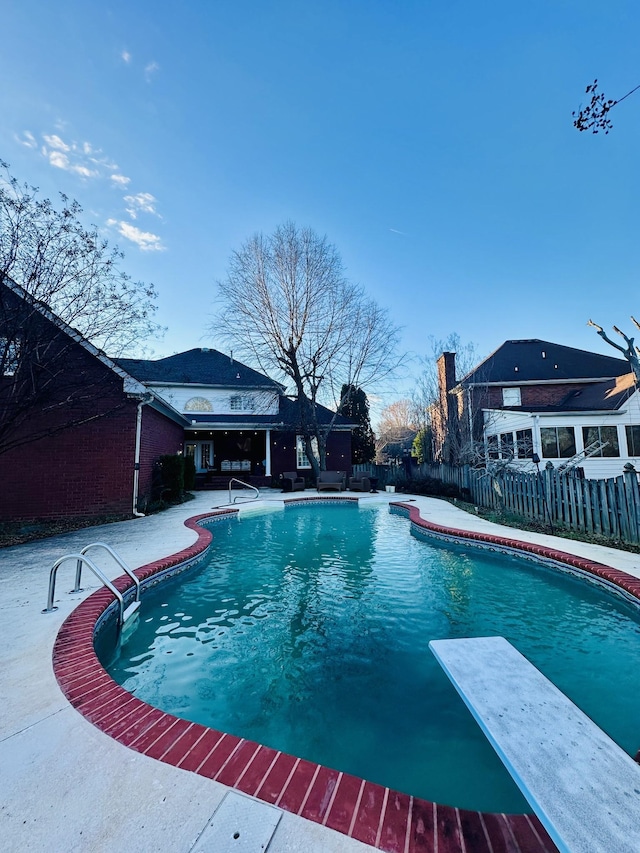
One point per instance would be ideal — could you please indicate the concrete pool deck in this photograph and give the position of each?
(67, 786)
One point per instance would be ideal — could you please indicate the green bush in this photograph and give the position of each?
(429, 486)
(189, 472)
(171, 476)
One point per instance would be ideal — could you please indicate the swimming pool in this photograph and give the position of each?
(309, 630)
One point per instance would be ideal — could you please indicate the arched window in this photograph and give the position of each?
(198, 404)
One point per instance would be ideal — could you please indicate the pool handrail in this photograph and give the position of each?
(116, 557)
(82, 558)
(242, 483)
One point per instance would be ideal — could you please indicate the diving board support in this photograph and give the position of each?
(582, 786)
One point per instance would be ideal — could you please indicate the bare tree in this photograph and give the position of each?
(70, 269)
(59, 282)
(630, 352)
(595, 116)
(399, 423)
(288, 307)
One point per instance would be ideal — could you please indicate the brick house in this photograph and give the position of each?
(78, 435)
(569, 406)
(239, 422)
(81, 433)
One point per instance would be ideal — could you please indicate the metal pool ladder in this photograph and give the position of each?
(82, 559)
(242, 483)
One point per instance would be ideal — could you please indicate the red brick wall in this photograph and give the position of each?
(83, 471)
(55, 470)
(339, 452)
(159, 436)
(530, 395)
(283, 453)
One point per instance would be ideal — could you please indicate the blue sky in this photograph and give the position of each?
(432, 142)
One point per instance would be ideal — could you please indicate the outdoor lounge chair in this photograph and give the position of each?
(292, 482)
(360, 484)
(331, 480)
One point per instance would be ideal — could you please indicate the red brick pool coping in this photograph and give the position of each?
(386, 819)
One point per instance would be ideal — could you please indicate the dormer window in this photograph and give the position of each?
(241, 403)
(511, 397)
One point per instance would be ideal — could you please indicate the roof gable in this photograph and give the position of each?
(131, 385)
(198, 367)
(542, 361)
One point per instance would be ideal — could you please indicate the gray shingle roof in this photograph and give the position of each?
(536, 360)
(197, 367)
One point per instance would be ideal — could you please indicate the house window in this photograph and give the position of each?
(633, 440)
(493, 451)
(9, 356)
(198, 404)
(524, 443)
(558, 442)
(506, 445)
(242, 403)
(606, 434)
(301, 456)
(511, 397)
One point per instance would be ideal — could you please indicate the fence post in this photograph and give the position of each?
(632, 495)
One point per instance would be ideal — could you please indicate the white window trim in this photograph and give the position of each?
(301, 456)
(514, 393)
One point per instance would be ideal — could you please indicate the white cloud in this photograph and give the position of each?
(150, 69)
(140, 203)
(57, 159)
(54, 141)
(86, 161)
(125, 56)
(27, 139)
(83, 171)
(80, 158)
(144, 240)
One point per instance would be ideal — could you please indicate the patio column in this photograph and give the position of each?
(267, 457)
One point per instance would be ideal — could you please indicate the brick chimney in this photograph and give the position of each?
(445, 422)
(446, 372)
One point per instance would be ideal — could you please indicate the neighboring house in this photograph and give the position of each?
(571, 407)
(239, 421)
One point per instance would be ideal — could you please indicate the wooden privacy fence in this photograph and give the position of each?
(609, 508)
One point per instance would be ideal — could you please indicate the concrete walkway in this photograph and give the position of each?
(65, 786)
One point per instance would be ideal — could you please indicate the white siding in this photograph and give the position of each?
(497, 422)
(259, 402)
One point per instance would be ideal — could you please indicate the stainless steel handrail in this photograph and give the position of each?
(97, 572)
(242, 483)
(118, 560)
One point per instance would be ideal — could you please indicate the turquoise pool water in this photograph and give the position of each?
(308, 631)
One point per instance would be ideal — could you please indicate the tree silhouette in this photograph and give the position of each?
(595, 116)
(355, 407)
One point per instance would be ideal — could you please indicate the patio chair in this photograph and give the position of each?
(292, 482)
(359, 484)
(331, 480)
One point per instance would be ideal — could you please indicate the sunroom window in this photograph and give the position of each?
(558, 442)
(608, 435)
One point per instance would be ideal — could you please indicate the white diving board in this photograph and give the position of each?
(582, 786)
